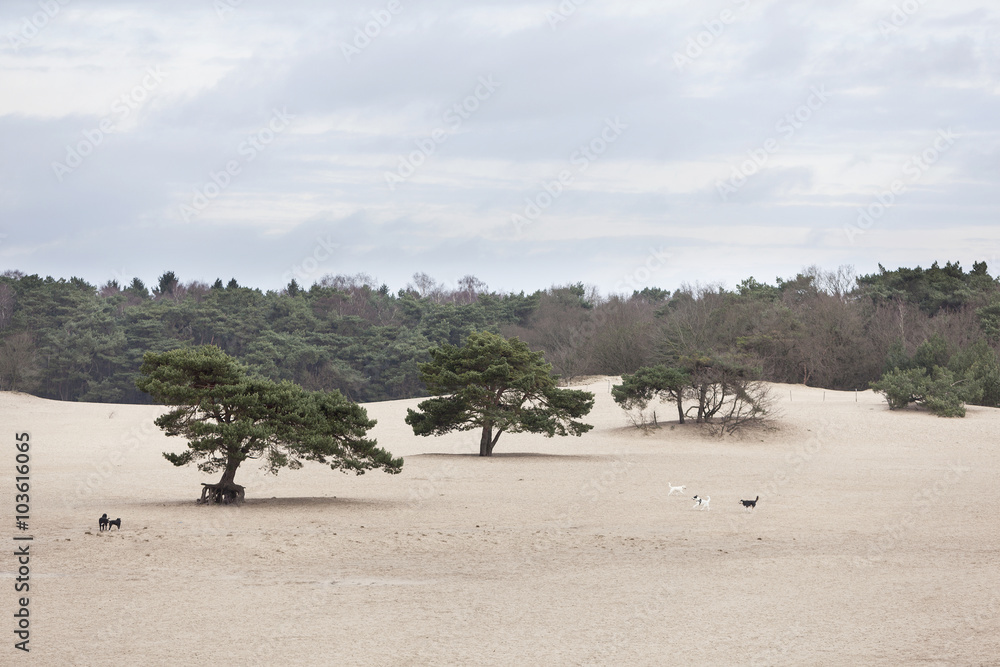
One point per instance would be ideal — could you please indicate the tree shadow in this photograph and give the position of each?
(280, 502)
(518, 455)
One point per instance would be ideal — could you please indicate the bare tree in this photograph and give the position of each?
(623, 337)
(426, 287)
(8, 299)
(840, 283)
(750, 403)
(348, 283)
(469, 288)
(562, 328)
(693, 322)
(17, 362)
(197, 290)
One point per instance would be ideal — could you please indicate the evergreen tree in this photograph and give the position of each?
(659, 382)
(229, 417)
(496, 385)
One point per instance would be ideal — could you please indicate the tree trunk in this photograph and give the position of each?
(225, 491)
(680, 409)
(229, 474)
(488, 441)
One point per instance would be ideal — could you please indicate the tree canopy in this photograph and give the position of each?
(725, 387)
(69, 340)
(500, 386)
(653, 382)
(229, 416)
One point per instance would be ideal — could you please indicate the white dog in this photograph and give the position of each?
(678, 489)
(702, 503)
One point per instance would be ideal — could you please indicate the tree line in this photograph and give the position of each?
(70, 340)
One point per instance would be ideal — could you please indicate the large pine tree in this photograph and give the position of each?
(497, 385)
(229, 417)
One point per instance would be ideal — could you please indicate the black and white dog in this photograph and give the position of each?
(102, 523)
(701, 503)
(750, 504)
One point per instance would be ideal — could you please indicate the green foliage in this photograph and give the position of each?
(751, 289)
(980, 366)
(653, 382)
(229, 416)
(901, 387)
(651, 294)
(166, 284)
(989, 320)
(62, 339)
(138, 288)
(897, 357)
(67, 340)
(493, 383)
(726, 390)
(717, 379)
(938, 390)
(944, 395)
(934, 289)
(931, 353)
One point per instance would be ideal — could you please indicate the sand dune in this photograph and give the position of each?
(875, 542)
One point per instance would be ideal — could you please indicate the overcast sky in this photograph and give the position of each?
(530, 143)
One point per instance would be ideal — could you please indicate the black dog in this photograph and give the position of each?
(102, 523)
(117, 522)
(750, 504)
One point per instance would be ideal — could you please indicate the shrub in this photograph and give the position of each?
(902, 387)
(939, 391)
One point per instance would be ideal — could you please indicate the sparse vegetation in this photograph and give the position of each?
(725, 392)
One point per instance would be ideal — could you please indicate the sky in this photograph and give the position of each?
(528, 143)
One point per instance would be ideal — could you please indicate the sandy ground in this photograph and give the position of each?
(875, 542)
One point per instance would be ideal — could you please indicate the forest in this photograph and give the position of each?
(70, 340)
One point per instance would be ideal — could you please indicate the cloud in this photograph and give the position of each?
(359, 116)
